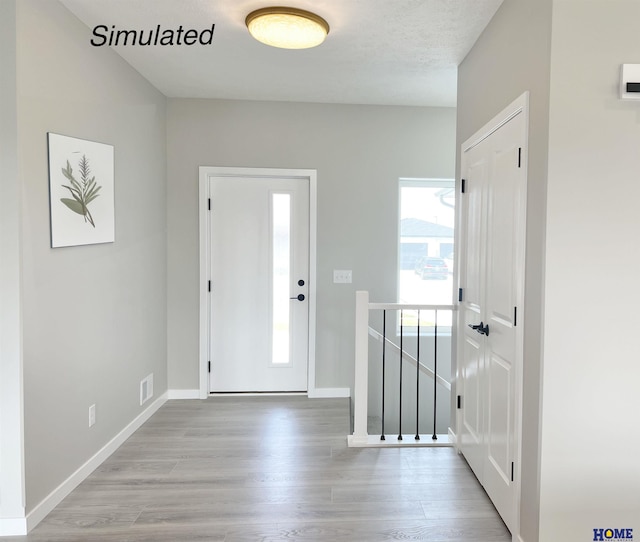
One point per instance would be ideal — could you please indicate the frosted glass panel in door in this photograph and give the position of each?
(281, 271)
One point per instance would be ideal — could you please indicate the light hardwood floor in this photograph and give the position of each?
(271, 469)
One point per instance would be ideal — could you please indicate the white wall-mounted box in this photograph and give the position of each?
(630, 73)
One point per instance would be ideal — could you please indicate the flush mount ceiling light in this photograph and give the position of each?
(288, 28)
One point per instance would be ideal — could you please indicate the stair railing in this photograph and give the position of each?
(360, 436)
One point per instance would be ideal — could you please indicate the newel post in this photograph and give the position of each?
(361, 382)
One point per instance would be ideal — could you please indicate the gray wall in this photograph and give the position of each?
(94, 316)
(359, 152)
(590, 476)
(511, 57)
(11, 436)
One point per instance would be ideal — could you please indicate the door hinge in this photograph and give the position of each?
(463, 186)
(209, 204)
(209, 368)
(460, 294)
(515, 316)
(519, 156)
(513, 468)
(459, 401)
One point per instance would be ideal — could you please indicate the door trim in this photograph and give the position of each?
(205, 172)
(520, 106)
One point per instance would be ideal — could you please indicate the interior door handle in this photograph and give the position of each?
(299, 297)
(481, 328)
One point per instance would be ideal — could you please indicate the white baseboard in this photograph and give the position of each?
(13, 526)
(408, 441)
(183, 394)
(316, 393)
(452, 438)
(57, 495)
(329, 393)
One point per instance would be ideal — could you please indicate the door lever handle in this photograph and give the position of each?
(299, 297)
(481, 328)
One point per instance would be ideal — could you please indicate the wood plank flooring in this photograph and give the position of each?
(233, 469)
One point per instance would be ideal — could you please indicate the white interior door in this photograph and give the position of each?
(493, 280)
(259, 307)
(471, 364)
(504, 287)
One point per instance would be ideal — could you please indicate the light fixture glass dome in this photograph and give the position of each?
(288, 28)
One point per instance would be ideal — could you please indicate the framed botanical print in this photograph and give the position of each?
(81, 191)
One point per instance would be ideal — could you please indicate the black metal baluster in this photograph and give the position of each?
(384, 348)
(435, 375)
(401, 355)
(417, 437)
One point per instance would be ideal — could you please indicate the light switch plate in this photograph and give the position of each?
(342, 276)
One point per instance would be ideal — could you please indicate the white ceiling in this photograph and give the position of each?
(393, 52)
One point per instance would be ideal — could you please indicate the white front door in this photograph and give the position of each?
(492, 277)
(259, 268)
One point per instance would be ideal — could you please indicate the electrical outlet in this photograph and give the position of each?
(342, 276)
(92, 415)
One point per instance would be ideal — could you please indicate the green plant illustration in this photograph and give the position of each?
(83, 192)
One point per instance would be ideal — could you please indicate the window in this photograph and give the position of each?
(425, 248)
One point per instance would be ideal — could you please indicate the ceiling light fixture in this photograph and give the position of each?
(287, 28)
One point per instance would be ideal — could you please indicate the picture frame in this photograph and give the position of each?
(81, 191)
